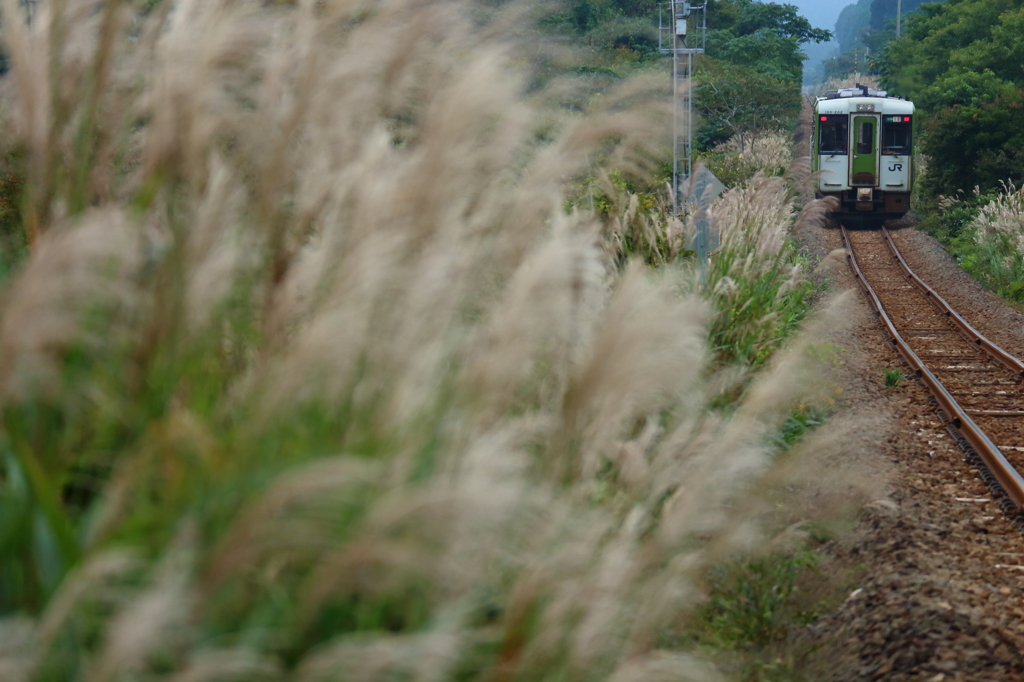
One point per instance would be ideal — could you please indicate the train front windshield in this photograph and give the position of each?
(833, 134)
(896, 135)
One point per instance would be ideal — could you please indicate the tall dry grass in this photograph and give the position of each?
(756, 277)
(736, 161)
(770, 153)
(992, 241)
(310, 376)
(1002, 219)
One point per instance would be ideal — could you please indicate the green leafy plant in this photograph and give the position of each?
(755, 278)
(750, 603)
(800, 422)
(893, 377)
(969, 103)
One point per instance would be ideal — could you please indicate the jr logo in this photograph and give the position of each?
(896, 167)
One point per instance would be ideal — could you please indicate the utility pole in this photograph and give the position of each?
(701, 187)
(674, 40)
(899, 16)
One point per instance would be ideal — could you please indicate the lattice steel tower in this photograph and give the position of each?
(676, 39)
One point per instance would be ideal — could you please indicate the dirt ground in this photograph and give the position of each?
(939, 592)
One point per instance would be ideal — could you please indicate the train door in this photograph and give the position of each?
(864, 159)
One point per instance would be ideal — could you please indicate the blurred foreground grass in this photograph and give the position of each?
(308, 374)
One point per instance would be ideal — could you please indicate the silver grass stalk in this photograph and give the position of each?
(361, 187)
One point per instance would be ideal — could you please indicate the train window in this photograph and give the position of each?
(896, 133)
(833, 133)
(866, 137)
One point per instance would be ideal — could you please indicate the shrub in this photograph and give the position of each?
(742, 157)
(750, 603)
(755, 279)
(991, 247)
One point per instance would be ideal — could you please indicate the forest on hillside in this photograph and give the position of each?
(862, 31)
(962, 62)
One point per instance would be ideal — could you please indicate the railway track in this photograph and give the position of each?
(979, 388)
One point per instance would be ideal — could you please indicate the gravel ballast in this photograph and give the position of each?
(939, 591)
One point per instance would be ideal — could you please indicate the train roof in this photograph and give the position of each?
(858, 91)
(862, 98)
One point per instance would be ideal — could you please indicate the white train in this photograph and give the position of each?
(862, 150)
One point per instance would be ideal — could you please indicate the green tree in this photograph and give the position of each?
(962, 61)
(744, 17)
(610, 24)
(750, 78)
(864, 30)
(965, 33)
(737, 101)
(974, 137)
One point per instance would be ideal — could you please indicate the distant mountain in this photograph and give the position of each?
(851, 23)
(867, 14)
(882, 10)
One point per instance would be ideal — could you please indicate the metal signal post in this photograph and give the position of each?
(675, 39)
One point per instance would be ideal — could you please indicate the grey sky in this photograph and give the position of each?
(821, 13)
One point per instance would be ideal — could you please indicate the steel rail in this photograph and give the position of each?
(970, 332)
(1009, 479)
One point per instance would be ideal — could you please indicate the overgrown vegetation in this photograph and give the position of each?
(741, 158)
(625, 27)
(989, 237)
(750, 603)
(757, 280)
(956, 61)
(309, 373)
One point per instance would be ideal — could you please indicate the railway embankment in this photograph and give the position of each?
(939, 569)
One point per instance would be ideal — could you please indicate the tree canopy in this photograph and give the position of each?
(882, 11)
(745, 17)
(748, 80)
(962, 61)
(750, 77)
